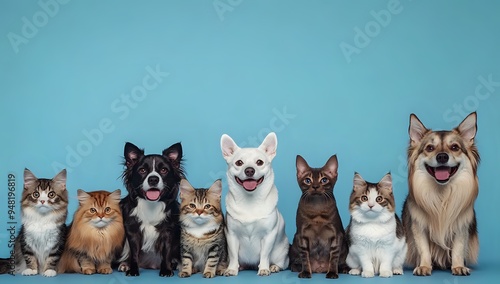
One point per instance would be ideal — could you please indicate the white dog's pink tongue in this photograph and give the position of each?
(153, 194)
(250, 184)
(442, 173)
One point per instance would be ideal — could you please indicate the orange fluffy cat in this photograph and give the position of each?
(96, 234)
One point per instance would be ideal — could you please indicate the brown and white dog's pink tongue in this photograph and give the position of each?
(250, 184)
(442, 173)
(153, 194)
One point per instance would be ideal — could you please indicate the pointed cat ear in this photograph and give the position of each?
(216, 188)
(82, 195)
(29, 178)
(228, 146)
(269, 145)
(331, 166)
(386, 181)
(132, 154)
(301, 165)
(60, 179)
(174, 154)
(116, 195)
(468, 128)
(186, 188)
(358, 182)
(417, 130)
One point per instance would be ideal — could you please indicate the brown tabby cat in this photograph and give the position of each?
(203, 242)
(96, 234)
(319, 245)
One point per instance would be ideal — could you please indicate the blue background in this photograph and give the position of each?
(329, 77)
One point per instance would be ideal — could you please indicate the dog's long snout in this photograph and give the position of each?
(153, 180)
(442, 158)
(249, 172)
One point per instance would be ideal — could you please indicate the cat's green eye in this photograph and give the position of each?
(35, 194)
(239, 163)
(379, 199)
(307, 181)
(259, 162)
(107, 209)
(364, 198)
(324, 180)
(52, 194)
(93, 210)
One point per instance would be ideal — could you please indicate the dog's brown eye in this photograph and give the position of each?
(52, 194)
(429, 148)
(35, 194)
(307, 181)
(239, 163)
(364, 198)
(142, 170)
(164, 171)
(379, 199)
(455, 147)
(260, 162)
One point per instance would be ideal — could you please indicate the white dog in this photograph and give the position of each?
(255, 229)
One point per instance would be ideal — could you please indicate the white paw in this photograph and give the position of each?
(28, 272)
(385, 273)
(50, 273)
(367, 274)
(397, 271)
(264, 272)
(355, 271)
(274, 268)
(123, 267)
(231, 272)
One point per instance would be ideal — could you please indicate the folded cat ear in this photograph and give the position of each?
(132, 154)
(301, 165)
(216, 188)
(60, 179)
(116, 195)
(270, 145)
(386, 181)
(468, 128)
(174, 154)
(82, 196)
(228, 146)
(417, 130)
(186, 188)
(358, 183)
(29, 178)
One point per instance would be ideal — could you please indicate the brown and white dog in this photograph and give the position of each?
(438, 213)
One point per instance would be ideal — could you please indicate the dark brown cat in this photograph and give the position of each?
(319, 245)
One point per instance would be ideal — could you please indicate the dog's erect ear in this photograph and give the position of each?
(132, 154)
(386, 181)
(186, 188)
(174, 154)
(331, 166)
(417, 129)
(301, 165)
(228, 146)
(269, 145)
(468, 127)
(29, 178)
(358, 182)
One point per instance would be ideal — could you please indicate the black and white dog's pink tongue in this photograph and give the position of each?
(250, 184)
(442, 173)
(153, 194)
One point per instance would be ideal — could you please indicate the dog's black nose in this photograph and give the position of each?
(249, 172)
(442, 158)
(153, 180)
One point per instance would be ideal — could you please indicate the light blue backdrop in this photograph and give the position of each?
(80, 78)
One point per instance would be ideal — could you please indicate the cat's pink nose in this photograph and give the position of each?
(42, 201)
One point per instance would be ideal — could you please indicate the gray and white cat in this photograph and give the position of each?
(203, 242)
(44, 207)
(377, 243)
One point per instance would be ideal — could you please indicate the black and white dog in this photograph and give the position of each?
(151, 210)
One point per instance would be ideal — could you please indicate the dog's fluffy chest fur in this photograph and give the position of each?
(150, 214)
